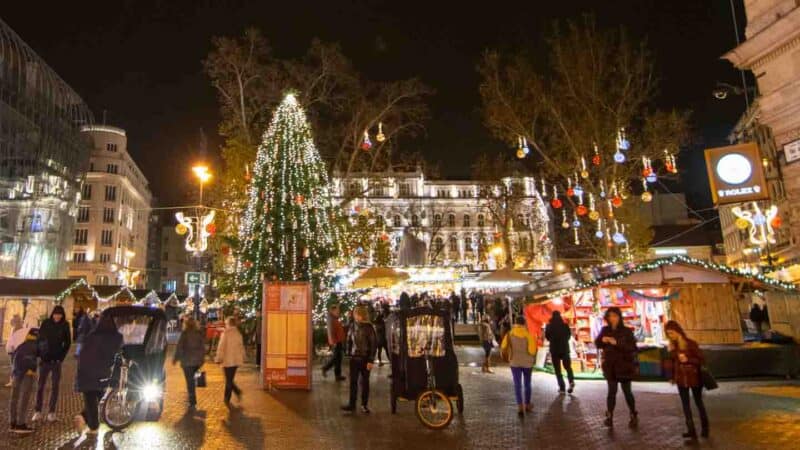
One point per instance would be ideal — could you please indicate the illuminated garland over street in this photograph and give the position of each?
(655, 264)
(288, 232)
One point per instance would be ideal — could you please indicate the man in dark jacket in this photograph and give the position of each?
(363, 344)
(191, 352)
(336, 338)
(54, 342)
(456, 302)
(557, 333)
(94, 366)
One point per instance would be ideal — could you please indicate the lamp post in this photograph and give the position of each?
(197, 230)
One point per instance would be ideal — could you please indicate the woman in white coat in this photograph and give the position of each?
(230, 354)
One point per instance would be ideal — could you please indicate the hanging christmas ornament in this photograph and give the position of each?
(619, 157)
(380, 137)
(248, 264)
(564, 223)
(594, 215)
(555, 202)
(211, 228)
(584, 172)
(577, 238)
(776, 222)
(646, 195)
(575, 222)
(647, 168)
(581, 210)
(520, 154)
(599, 232)
(299, 199)
(622, 141)
(384, 237)
(610, 209)
(618, 238)
(525, 148)
(306, 252)
(225, 250)
(366, 144)
(181, 229)
(544, 189)
(570, 191)
(596, 156)
(669, 162)
(616, 201)
(602, 189)
(652, 177)
(577, 190)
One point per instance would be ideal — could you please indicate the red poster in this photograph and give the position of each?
(286, 335)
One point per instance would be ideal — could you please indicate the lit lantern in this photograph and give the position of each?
(181, 229)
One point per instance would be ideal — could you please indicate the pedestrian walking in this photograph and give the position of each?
(685, 366)
(191, 353)
(464, 309)
(336, 338)
(558, 334)
(85, 325)
(618, 345)
(97, 355)
(520, 348)
(479, 306)
(756, 316)
(486, 337)
(53, 345)
(77, 316)
(16, 325)
(257, 337)
(230, 354)
(380, 332)
(362, 346)
(456, 304)
(23, 375)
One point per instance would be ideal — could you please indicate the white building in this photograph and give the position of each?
(452, 218)
(110, 241)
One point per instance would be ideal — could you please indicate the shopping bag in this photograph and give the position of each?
(707, 379)
(200, 378)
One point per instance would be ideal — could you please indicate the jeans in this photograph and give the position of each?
(91, 399)
(697, 393)
(335, 361)
(611, 400)
(358, 369)
(188, 374)
(558, 360)
(522, 375)
(20, 398)
(230, 386)
(46, 368)
(383, 347)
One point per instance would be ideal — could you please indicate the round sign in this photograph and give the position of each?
(734, 168)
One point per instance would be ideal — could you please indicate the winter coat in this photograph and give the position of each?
(230, 351)
(619, 361)
(16, 339)
(362, 341)
(380, 330)
(55, 338)
(336, 333)
(686, 374)
(485, 333)
(98, 350)
(84, 327)
(191, 349)
(25, 355)
(558, 333)
(521, 347)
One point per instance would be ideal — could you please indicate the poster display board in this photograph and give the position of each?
(286, 335)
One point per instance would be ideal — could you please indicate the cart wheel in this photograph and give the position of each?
(393, 399)
(434, 409)
(460, 399)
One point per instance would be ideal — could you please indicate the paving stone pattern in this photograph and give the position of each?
(741, 417)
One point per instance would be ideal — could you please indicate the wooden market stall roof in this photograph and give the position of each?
(112, 292)
(56, 288)
(669, 271)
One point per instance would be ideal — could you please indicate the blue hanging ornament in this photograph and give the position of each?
(598, 234)
(622, 141)
(578, 191)
(619, 157)
(651, 177)
(618, 238)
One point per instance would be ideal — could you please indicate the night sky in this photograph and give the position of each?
(140, 62)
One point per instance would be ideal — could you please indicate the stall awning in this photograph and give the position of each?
(379, 277)
(504, 277)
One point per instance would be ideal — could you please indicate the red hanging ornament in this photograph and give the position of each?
(616, 201)
(581, 210)
(248, 264)
(384, 237)
(596, 160)
(225, 250)
(211, 228)
(776, 222)
(570, 192)
(609, 244)
(299, 199)
(555, 203)
(647, 171)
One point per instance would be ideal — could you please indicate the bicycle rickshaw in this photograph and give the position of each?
(136, 385)
(424, 364)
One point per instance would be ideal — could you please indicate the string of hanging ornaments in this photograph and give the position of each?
(594, 208)
(366, 143)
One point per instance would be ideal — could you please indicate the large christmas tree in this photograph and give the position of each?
(288, 232)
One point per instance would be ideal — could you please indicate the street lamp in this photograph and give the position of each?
(202, 174)
(197, 229)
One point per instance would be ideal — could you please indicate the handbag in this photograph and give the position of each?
(707, 379)
(200, 378)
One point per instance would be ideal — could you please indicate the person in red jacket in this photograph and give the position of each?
(336, 337)
(685, 365)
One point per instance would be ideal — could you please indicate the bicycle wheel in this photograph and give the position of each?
(460, 399)
(118, 410)
(434, 409)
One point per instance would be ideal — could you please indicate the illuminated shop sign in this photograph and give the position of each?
(735, 174)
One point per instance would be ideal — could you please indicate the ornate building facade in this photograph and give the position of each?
(43, 157)
(110, 239)
(459, 221)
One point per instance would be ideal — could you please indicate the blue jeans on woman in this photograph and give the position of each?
(522, 375)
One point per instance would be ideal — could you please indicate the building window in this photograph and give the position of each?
(91, 167)
(81, 236)
(105, 257)
(466, 220)
(451, 220)
(438, 245)
(523, 244)
(111, 193)
(86, 192)
(481, 220)
(79, 257)
(111, 168)
(404, 190)
(108, 215)
(520, 221)
(111, 147)
(164, 271)
(166, 256)
(106, 238)
(453, 243)
(414, 220)
(468, 243)
(437, 220)
(83, 214)
(101, 280)
(396, 221)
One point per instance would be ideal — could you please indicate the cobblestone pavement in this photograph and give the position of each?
(744, 415)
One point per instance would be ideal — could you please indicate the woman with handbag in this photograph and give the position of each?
(619, 366)
(230, 354)
(686, 366)
(191, 352)
(486, 336)
(519, 349)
